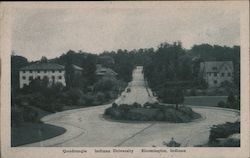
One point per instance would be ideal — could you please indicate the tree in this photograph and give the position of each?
(89, 69)
(231, 101)
(178, 97)
(44, 59)
(173, 96)
(17, 62)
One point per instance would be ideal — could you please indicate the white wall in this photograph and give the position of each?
(42, 74)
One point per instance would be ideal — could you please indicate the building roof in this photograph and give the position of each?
(43, 66)
(77, 67)
(108, 59)
(104, 71)
(215, 66)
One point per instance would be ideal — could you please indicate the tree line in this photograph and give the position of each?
(169, 68)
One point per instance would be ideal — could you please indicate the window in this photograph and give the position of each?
(215, 81)
(225, 68)
(215, 74)
(229, 74)
(38, 77)
(53, 71)
(60, 77)
(38, 71)
(214, 68)
(23, 71)
(53, 77)
(45, 71)
(30, 71)
(222, 74)
(60, 71)
(30, 78)
(24, 77)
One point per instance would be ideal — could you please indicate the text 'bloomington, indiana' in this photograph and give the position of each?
(82, 151)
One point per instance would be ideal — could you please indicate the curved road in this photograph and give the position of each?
(87, 128)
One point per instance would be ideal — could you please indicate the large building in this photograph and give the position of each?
(54, 72)
(216, 72)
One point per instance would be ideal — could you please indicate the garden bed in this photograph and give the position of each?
(151, 112)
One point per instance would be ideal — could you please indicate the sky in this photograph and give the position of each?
(50, 32)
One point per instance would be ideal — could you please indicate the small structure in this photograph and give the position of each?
(77, 69)
(105, 72)
(216, 72)
(54, 72)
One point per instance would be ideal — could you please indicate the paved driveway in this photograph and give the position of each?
(87, 128)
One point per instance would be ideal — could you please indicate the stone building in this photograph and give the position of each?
(216, 72)
(54, 72)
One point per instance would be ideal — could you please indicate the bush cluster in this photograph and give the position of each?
(151, 112)
(224, 131)
(232, 102)
(55, 97)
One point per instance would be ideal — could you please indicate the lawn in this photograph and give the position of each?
(26, 130)
(204, 100)
(33, 132)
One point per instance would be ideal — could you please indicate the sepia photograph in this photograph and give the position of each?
(113, 76)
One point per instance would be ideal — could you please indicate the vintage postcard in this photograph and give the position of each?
(125, 79)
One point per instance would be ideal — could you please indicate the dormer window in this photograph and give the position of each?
(214, 68)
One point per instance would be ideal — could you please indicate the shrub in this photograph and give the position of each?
(108, 111)
(107, 95)
(160, 116)
(89, 100)
(136, 105)
(101, 97)
(105, 84)
(114, 105)
(147, 105)
(156, 112)
(224, 130)
(153, 105)
(193, 92)
(124, 107)
(231, 143)
(74, 94)
(222, 104)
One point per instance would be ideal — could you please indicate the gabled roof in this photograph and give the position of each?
(209, 66)
(43, 66)
(104, 71)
